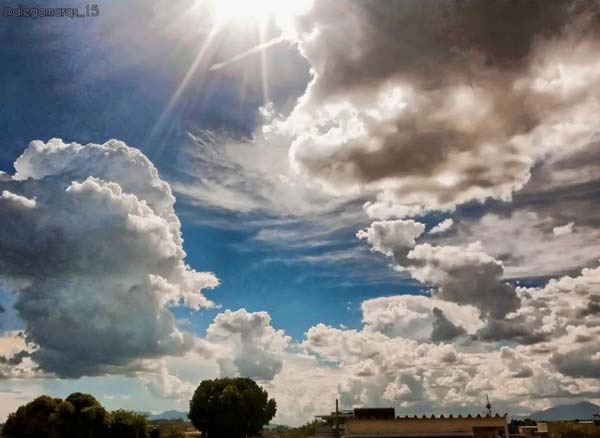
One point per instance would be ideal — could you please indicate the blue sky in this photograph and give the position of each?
(309, 174)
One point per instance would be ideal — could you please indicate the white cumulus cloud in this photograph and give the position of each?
(93, 250)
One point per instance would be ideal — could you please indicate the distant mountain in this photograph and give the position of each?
(579, 411)
(169, 415)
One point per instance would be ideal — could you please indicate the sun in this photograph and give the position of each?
(247, 11)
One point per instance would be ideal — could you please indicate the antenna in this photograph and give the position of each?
(336, 433)
(488, 406)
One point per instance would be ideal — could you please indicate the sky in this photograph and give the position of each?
(386, 203)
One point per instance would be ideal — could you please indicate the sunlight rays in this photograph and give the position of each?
(251, 51)
(236, 14)
(200, 57)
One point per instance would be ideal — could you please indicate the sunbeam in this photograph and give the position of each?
(183, 85)
(246, 53)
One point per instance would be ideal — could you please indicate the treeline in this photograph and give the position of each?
(307, 430)
(78, 416)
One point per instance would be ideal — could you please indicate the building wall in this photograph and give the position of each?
(357, 427)
(569, 429)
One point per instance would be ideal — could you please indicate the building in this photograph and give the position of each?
(428, 427)
(569, 429)
(383, 423)
(526, 432)
(334, 422)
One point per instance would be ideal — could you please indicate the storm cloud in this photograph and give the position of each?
(434, 104)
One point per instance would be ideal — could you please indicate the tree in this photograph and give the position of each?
(230, 407)
(127, 424)
(36, 419)
(82, 416)
(78, 416)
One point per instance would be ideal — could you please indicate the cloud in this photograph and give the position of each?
(394, 238)
(417, 317)
(514, 329)
(442, 227)
(563, 230)
(523, 238)
(418, 376)
(249, 174)
(561, 304)
(162, 383)
(424, 137)
(15, 356)
(251, 346)
(464, 276)
(417, 136)
(580, 362)
(303, 388)
(443, 329)
(92, 248)
(411, 352)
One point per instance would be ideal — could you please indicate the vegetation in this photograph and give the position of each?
(78, 416)
(232, 408)
(309, 429)
(170, 428)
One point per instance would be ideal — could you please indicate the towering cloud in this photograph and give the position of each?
(92, 248)
(251, 346)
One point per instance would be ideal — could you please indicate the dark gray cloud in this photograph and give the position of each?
(497, 330)
(427, 34)
(15, 359)
(580, 362)
(592, 308)
(443, 329)
(434, 103)
(464, 275)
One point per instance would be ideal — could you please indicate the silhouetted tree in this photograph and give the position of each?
(78, 416)
(230, 407)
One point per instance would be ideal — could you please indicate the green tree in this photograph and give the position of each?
(127, 424)
(82, 416)
(78, 416)
(36, 419)
(230, 407)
